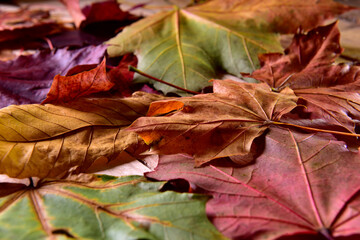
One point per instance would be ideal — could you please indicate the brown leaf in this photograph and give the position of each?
(26, 24)
(307, 67)
(306, 63)
(68, 88)
(55, 140)
(302, 184)
(282, 16)
(216, 125)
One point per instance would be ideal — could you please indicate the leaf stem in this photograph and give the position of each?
(316, 129)
(133, 69)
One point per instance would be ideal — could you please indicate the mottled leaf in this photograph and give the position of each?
(301, 184)
(103, 207)
(187, 47)
(208, 126)
(55, 140)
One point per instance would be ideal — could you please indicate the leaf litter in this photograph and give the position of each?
(273, 156)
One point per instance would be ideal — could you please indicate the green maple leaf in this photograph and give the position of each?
(102, 207)
(188, 47)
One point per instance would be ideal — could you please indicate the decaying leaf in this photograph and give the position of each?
(187, 47)
(220, 124)
(330, 91)
(69, 88)
(27, 24)
(103, 207)
(54, 140)
(301, 184)
(27, 79)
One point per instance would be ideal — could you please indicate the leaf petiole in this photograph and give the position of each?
(316, 129)
(134, 69)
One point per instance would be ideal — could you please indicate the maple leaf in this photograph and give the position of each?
(53, 140)
(27, 79)
(69, 88)
(307, 67)
(301, 184)
(208, 126)
(187, 47)
(25, 24)
(103, 207)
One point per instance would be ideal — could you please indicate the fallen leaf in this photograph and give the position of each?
(27, 79)
(301, 184)
(69, 88)
(55, 140)
(121, 76)
(306, 62)
(215, 125)
(148, 8)
(103, 207)
(104, 11)
(187, 47)
(74, 9)
(330, 91)
(27, 24)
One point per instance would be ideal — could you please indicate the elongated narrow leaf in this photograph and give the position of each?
(301, 184)
(103, 207)
(187, 47)
(51, 140)
(208, 126)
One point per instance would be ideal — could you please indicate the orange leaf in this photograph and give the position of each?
(224, 123)
(68, 88)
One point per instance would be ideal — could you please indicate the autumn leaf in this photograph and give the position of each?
(103, 207)
(208, 126)
(27, 79)
(301, 184)
(74, 9)
(27, 24)
(121, 76)
(330, 90)
(104, 12)
(306, 63)
(69, 88)
(54, 140)
(187, 47)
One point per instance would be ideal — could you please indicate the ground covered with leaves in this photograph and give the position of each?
(210, 119)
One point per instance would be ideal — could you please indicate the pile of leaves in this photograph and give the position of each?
(270, 154)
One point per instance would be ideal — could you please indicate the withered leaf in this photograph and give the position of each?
(55, 140)
(330, 91)
(220, 124)
(301, 184)
(27, 24)
(69, 88)
(27, 79)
